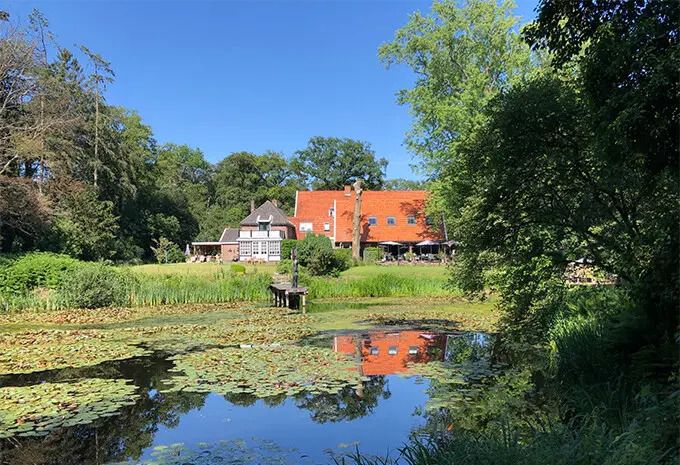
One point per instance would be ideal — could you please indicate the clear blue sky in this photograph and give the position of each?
(227, 76)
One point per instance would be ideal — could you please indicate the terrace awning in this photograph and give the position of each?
(428, 242)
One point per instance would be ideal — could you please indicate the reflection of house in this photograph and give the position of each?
(383, 353)
(397, 216)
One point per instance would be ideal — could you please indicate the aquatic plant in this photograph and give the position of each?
(32, 351)
(236, 452)
(38, 409)
(264, 371)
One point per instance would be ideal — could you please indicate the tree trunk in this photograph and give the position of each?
(356, 223)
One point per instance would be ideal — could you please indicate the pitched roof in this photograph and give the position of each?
(267, 212)
(315, 207)
(229, 235)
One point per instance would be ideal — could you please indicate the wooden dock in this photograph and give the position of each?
(285, 295)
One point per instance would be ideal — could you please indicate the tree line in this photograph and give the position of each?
(87, 178)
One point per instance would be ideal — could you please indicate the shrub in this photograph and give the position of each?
(343, 258)
(95, 285)
(372, 254)
(167, 251)
(287, 246)
(238, 268)
(37, 269)
(316, 254)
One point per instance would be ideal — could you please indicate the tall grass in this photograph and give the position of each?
(183, 289)
(376, 285)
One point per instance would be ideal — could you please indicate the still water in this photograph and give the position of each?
(200, 429)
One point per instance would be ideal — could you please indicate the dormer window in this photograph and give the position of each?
(372, 220)
(264, 225)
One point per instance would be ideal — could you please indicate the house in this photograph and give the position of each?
(262, 232)
(392, 219)
(386, 216)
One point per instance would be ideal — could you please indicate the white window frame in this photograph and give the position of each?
(306, 227)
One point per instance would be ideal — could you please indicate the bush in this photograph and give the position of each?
(37, 269)
(372, 254)
(167, 251)
(96, 285)
(316, 254)
(238, 268)
(343, 258)
(287, 246)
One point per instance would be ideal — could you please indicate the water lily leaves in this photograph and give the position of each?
(55, 349)
(233, 452)
(264, 371)
(38, 409)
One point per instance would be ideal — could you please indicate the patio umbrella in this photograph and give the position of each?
(391, 243)
(428, 243)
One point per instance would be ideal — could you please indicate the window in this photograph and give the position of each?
(275, 248)
(392, 350)
(246, 248)
(306, 227)
(411, 219)
(264, 226)
(413, 350)
(374, 351)
(326, 226)
(391, 221)
(428, 220)
(331, 212)
(372, 220)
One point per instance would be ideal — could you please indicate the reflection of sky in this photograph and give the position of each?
(386, 428)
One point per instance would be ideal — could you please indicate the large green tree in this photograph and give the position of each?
(329, 163)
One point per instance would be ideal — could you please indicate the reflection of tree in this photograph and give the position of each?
(121, 437)
(346, 404)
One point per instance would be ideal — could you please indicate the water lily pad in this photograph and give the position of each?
(264, 372)
(38, 409)
(55, 349)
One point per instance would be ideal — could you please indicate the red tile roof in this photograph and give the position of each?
(316, 207)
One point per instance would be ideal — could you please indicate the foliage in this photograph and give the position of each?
(167, 251)
(343, 258)
(37, 409)
(237, 268)
(316, 254)
(383, 284)
(372, 254)
(37, 269)
(330, 163)
(463, 54)
(287, 246)
(96, 285)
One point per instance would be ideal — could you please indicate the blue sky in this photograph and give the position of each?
(228, 76)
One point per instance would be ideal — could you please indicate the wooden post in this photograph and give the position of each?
(304, 303)
(356, 222)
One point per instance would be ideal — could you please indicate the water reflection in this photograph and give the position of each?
(378, 414)
(385, 353)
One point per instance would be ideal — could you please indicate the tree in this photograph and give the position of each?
(399, 184)
(463, 54)
(330, 163)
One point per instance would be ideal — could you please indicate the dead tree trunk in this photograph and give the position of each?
(356, 223)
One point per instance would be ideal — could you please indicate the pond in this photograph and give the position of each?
(186, 411)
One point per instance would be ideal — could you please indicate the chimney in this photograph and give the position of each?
(252, 205)
(275, 202)
(348, 191)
